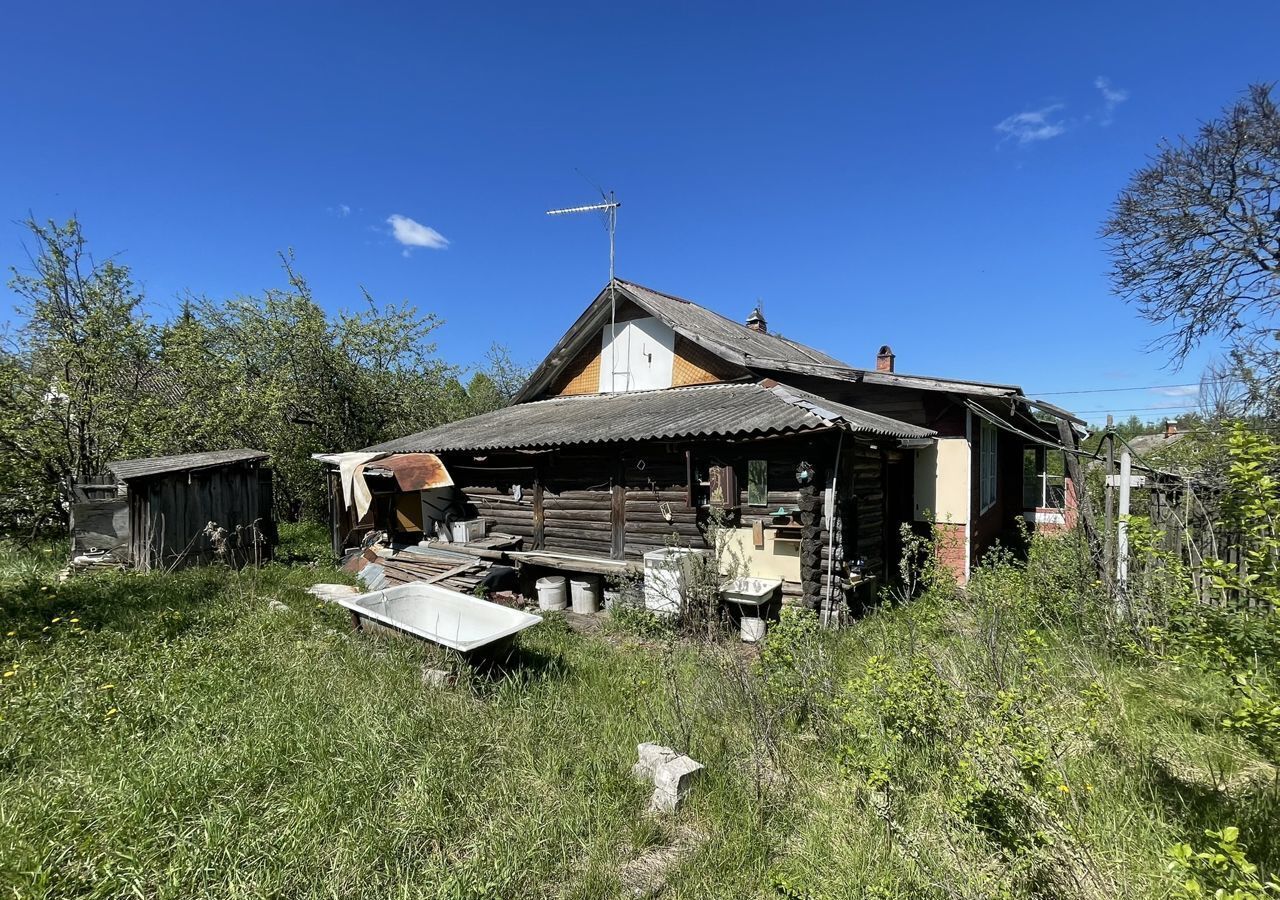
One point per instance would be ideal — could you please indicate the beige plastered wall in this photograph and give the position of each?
(942, 482)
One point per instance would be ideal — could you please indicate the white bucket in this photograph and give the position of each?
(752, 629)
(551, 593)
(585, 593)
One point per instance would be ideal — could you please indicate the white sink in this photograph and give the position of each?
(750, 591)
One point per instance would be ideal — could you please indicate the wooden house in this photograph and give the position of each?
(652, 413)
(155, 512)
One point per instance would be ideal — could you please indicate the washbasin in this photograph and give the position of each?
(750, 590)
(750, 593)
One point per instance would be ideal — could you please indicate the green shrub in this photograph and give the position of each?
(1256, 715)
(1222, 872)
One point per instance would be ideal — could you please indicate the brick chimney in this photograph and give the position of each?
(884, 359)
(1170, 427)
(756, 321)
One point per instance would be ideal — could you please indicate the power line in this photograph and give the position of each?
(1142, 387)
(1184, 407)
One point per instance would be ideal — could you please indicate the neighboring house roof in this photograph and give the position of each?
(128, 469)
(714, 410)
(1148, 444)
(734, 342)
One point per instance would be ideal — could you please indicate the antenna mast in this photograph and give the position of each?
(609, 206)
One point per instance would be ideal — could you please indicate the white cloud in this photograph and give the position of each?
(1182, 390)
(414, 234)
(344, 210)
(1034, 125)
(1111, 97)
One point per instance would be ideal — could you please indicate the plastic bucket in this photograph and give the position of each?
(551, 593)
(752, 629)
(585, 594)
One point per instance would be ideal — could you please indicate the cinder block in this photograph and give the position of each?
(672, 781)
(651, 756)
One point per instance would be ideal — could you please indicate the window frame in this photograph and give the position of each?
(988, 466)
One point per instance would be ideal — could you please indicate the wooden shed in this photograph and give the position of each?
(162, 508)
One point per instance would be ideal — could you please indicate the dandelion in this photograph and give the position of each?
(12, 634)
(73, 621)
(1088, 786)
(9, 674)
(1064, 789)
(111, 712)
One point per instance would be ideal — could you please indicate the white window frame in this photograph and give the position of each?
(988, 467)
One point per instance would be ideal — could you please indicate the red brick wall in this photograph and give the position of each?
(949, 541)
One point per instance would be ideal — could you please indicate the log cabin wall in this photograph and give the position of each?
(623, 500)
(489, 485)
(578, 500)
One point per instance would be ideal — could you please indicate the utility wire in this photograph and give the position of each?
(1141, 387)
(1185, 407)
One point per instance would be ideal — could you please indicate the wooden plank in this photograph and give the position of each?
(100, 525)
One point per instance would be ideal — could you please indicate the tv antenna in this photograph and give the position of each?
(609, 206)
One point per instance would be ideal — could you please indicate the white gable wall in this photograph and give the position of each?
(636, 355)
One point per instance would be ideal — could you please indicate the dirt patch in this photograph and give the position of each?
(646, 875)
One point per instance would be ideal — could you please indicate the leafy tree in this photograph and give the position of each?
(87, 379)
(77, 370)
(1195, 237)
(277, 373)
(496, 384)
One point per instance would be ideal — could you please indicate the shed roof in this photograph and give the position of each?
(128, 469)
(714, 410)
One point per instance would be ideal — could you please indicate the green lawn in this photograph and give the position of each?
(173, 736)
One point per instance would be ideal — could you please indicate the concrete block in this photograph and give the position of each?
(650, 757)
(331, 592)
(672, 781)
(435, 678)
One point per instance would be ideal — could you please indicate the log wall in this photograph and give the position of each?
(489, 487)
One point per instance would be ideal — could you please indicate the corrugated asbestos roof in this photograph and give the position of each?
(128, 469)
(715, 410)
(756, 351)
(708, 327)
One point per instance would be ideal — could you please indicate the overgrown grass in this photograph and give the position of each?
(175, 736)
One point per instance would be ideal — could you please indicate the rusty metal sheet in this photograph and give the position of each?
(412, 471)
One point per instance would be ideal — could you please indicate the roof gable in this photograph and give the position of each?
(720, 336)
(736, 344)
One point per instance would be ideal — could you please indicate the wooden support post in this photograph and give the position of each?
(1108, 531)
(539, 515)
(336, 510)
(618, 512)
(1122, 529)
(1071, 441)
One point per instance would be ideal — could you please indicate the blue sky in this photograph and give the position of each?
(926, 175)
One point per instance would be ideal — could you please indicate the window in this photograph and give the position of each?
(757, 482)
(987, 451)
